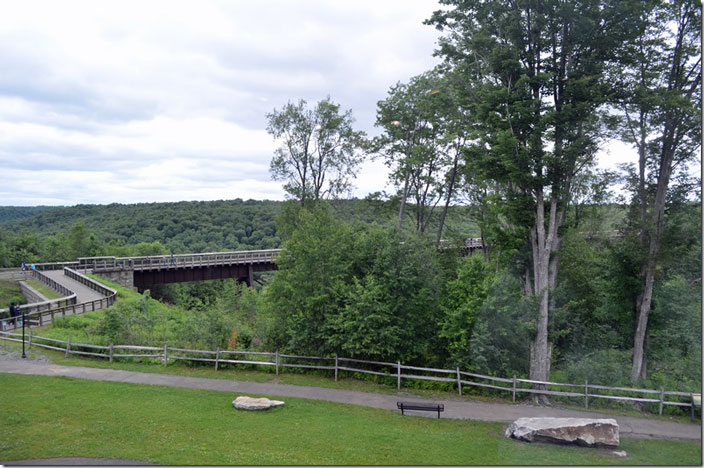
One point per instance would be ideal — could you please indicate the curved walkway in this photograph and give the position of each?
(454, 408)
(83, 292)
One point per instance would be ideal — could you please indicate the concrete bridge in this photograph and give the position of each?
(144, 272)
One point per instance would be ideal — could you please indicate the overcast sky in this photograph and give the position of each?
(143, 101)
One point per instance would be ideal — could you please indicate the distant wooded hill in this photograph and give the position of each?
(10, 213)
(189, 226)
(207, 226)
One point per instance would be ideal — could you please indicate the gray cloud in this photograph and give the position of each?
(157, 101)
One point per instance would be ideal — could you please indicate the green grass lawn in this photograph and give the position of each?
(64, 417)
(291, 377)
(45, 290)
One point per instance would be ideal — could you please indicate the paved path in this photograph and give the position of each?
(454, 408)
(83, 292)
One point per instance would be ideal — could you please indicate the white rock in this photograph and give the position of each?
(254, 404)
(619, 453)
(580, 431)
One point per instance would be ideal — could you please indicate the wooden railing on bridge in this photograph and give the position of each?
(177, 260)
(42, 313)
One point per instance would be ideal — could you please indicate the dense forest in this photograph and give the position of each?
(585, 273)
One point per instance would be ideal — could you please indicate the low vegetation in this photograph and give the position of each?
(10, 292)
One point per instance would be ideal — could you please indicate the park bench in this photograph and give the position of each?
(420, 406)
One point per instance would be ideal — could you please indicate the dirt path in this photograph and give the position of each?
(454, 408)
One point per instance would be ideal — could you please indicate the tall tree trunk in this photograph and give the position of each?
(542, 244)
(645, 300)
(447, 200)
(403, 201)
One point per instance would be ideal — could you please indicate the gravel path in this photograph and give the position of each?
(454, 408)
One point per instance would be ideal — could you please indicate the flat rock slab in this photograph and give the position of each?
(255, 404)
(579, 431)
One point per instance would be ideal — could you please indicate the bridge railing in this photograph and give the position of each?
(59, 288)
(179, 260)
(42, 313)
(90, 282)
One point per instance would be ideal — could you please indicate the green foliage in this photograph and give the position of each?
(354, 288)
(503, 330)
(602, 367)
(319, 152)
(141, 229)
(582, 319)
(676, 335)
(10, 292)
(465, 297)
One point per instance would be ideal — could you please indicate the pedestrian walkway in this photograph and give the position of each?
(83, 292)
(454, 408)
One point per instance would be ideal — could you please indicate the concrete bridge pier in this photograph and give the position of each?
(123, 277)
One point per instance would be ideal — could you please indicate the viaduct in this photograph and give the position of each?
(142, 273)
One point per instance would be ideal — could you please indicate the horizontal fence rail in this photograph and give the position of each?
(392, 370)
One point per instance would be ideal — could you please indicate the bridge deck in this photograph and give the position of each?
(83, 293)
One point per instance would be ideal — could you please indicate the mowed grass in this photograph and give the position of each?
(45, 290)
(49, 417)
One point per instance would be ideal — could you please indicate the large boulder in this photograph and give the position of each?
(255, 404)
(579, 431)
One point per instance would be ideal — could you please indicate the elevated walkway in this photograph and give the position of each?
(83, 292)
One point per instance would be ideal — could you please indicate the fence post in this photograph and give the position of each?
(277, 362)
(459, 381)
(398, 375)
(691, 408)
(166, 356)
(662, 400)
(40, 319)
(335, 367)
(68, 348)
(513, 392)
(30, 339)
(52, 315)
(586, 394)
(110, 353)
(217, 358)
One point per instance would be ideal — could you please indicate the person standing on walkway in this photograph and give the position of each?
(14, 312)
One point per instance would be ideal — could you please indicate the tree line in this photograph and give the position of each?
(511, 120)
(499, 142)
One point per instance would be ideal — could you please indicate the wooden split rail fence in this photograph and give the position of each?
(514, 386)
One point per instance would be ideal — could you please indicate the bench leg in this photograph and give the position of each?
(438, 413)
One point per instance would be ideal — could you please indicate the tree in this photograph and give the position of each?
(319, 152)
(536, 81)
(354, 288)
(410, 118)
(661, 107)
(465, 297)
